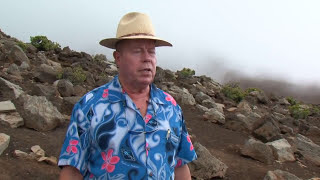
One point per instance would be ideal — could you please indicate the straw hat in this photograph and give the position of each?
(134, 25)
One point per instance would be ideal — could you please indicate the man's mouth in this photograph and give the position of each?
(146, 70)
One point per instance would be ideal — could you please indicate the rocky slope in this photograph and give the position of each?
(275, 138)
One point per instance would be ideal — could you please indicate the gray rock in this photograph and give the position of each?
(17, 55)
(277, 108)
(284, 101)
(240, 122)
(7, 106)
(65, 88)
(46, 73)
(201, 108)
(4, 142)
(39, 113)
(209, 103)
(244, 107)
(309, 150)
(10, 90)
(24, 66)
(282, 150)
(182, 95)
(280, 175)
(267, 132)
(13, 120)
(215, 116)
(200, 96)
(13, 69)
(31, 48)
(206, 166)
(258, 150)
(44, 90)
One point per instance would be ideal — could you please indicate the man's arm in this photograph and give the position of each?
(182, 172)
(70, 173)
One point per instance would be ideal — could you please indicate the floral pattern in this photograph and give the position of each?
(109, 161)
(72, 146)
(189, 140)
(105, 93)
(147, 118)
(170, 98)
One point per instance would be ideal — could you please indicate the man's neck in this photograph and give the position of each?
(134, 91)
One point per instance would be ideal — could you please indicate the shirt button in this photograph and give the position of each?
(150, 174)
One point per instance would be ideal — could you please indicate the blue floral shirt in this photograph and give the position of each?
(108, 138)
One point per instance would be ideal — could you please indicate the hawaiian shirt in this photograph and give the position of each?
(108, 138)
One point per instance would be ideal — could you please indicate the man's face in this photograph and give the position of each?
(136, 60)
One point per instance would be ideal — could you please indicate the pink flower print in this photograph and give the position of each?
(147, 148)
(109, 161)
(91, 176)
(170, 98)
(179, 163)
(189, 140)
(72, 146)
(147, 118)
(105, 93)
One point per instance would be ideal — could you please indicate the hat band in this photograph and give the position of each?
(136, 34)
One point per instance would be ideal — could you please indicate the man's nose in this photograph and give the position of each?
(147, 56)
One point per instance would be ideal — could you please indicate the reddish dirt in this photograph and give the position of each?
(222, 143)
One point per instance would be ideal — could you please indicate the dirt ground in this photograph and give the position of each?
(222, 143)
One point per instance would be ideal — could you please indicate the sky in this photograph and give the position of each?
(263, 39)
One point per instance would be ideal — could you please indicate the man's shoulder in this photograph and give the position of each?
(164, 97)
(95, 95)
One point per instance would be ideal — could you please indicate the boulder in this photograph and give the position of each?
(201, 108)
(279, 109)
(280, 175)
(182, 95)
(13, 69)
(200, 96)
(9, 90)
(46, 74)
(244, 107)
(4, 142)
(240, 122)
(12, 120)
(65, 88)
(24, 66)
(284, 101)
(78, 90)
(215, 116)
(209, 103)
(268, 131)
(44, 90)
(308, 149)
(7, 106)
(206, 166)
(220, 107)
(258, 150)
(17, 56)
(282, 150)
(39, 113)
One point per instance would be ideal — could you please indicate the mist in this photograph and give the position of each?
(259, 43)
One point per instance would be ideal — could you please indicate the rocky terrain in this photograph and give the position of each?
(237, 134)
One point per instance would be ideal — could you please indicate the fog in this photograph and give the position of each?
(276, 40)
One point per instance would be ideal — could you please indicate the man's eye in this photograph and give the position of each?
(137, 50)
(152, 51)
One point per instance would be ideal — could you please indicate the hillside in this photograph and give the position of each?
(237, 133)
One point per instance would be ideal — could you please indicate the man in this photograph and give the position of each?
(128, 128)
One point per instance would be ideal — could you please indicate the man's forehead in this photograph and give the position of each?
(134, 43)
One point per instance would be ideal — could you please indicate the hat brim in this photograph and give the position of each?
(111, 42)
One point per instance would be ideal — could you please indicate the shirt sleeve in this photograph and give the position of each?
(75, 149)
(186, 152)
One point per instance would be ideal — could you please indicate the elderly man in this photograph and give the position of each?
(128, 128)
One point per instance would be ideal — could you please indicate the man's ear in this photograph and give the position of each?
(116, 56)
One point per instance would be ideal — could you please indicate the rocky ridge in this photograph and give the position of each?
(39, 89)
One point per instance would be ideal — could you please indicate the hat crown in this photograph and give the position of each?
(133, 24)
